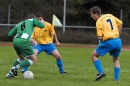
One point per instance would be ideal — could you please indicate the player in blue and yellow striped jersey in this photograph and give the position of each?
(108, 28)
(43, 42)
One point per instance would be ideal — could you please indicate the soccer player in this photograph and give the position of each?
(108, 28)
(21, 35)
(43, 41)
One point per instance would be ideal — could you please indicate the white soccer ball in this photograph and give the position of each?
(28, 75)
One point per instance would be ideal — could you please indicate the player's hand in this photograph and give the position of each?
(57, 43)
(42, 21)
(35, 43)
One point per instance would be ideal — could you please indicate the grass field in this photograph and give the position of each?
(77, 62)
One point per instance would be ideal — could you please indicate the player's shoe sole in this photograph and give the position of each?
(10, 76)
(63, 72)
(99, 76)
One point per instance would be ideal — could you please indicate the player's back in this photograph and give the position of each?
(25, 27)
(108, 24)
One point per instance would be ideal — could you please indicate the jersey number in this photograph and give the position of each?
(23, 26)
(110, 23)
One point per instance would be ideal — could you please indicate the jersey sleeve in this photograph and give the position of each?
(13, 32)
(38, 23)
(99, 29)
(33, 35)
(118, 22)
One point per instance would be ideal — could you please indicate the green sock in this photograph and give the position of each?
(16, 63)
(25, 63)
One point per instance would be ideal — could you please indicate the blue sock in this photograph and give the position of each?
(25, 68)
(60, 65)
(98, 66)
(116, 73)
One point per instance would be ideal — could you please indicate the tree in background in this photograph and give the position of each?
(76, 10)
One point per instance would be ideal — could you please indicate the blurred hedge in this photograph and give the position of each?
(73, 35)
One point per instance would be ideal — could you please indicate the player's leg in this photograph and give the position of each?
(20, 56)
(115, 55)
(29, 61)
(26, 68)
(116, 68)
(97, 62)
(101, 50)
(117, 43)
(37, 49)
(13, 73)
(19, 60)
(59, 62)
(98, 66)
(51, 50)
(26, 50)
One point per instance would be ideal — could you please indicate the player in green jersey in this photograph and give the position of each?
(43, 41)
(21, 34)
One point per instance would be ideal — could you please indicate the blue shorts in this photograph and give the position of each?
(48, 48)
(113, 46)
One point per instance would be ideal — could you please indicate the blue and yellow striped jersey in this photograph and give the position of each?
(44, 36)
(107, 26)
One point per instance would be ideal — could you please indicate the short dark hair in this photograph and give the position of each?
(39, 15)
(31, 16)
(95, 9)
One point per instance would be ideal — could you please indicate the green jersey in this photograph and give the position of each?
(25, 28)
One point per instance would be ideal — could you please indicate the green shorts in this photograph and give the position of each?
(23, 46)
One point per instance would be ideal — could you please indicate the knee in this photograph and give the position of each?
(58, 57)
(35, 60)
(94, 55)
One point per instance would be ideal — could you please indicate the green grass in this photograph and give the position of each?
(77, 62)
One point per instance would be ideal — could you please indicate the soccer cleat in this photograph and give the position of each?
(10, 76)
(64, 72)
(22, 71)
(116, 80)
(14, 71)
(99, 76)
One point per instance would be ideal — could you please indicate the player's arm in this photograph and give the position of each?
(53, 35)
(34, 42)
(100, 38)
(99, 31)
(119, 23)
(38, 23)
(12, 32)
(120, 27)
(56, 40)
